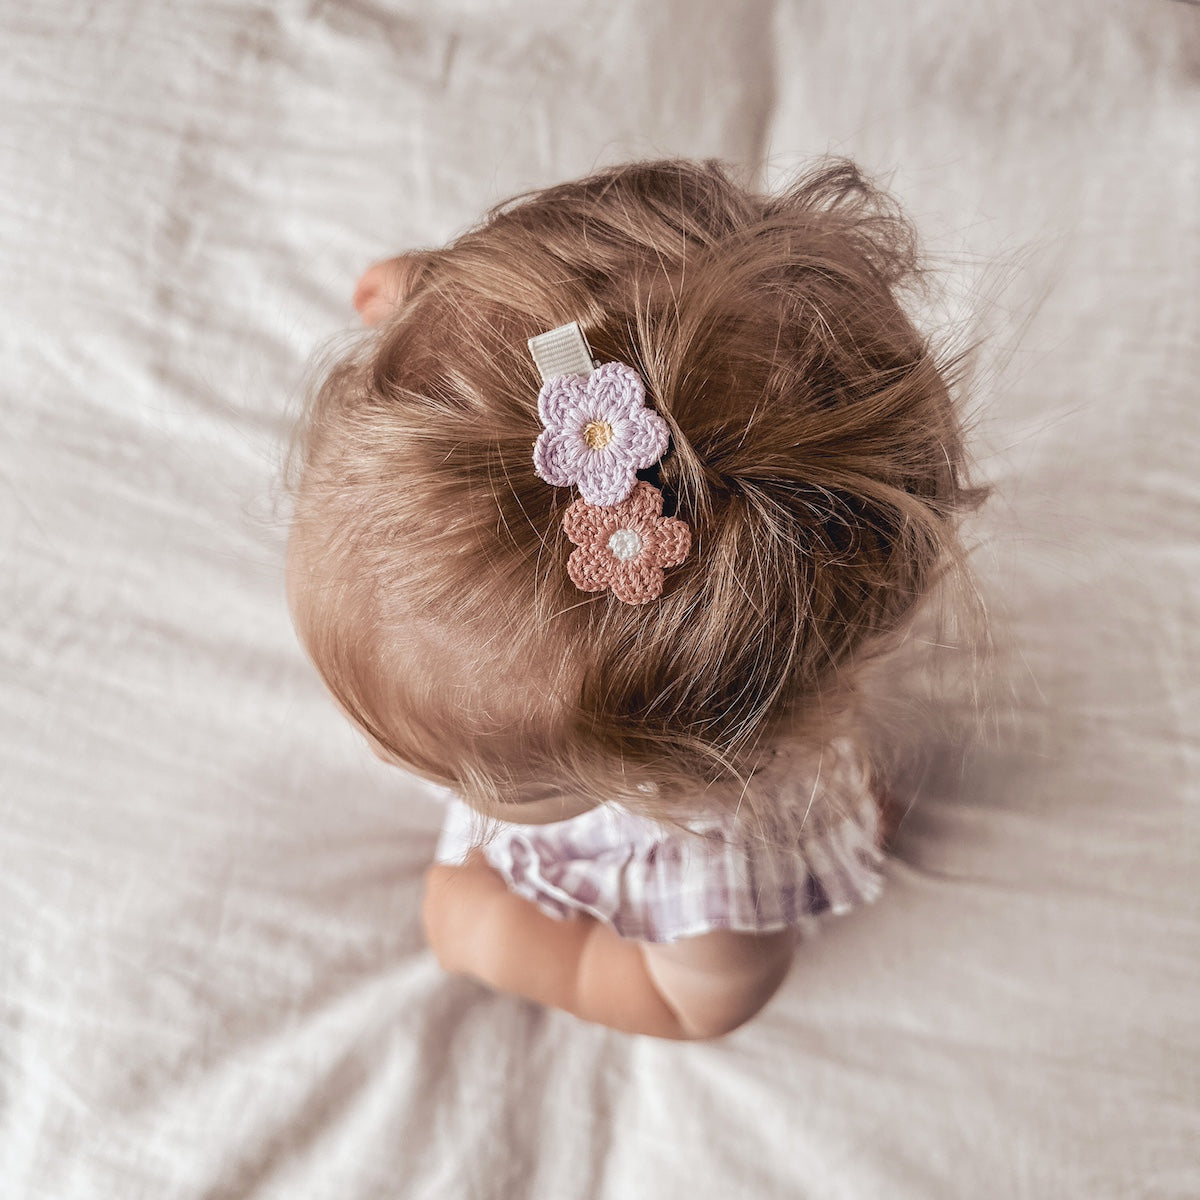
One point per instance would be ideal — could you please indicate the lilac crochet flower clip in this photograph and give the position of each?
(598, 432)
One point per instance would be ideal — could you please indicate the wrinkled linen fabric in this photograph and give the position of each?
(213, 982)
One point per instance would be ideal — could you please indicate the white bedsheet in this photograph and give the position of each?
(212, 980)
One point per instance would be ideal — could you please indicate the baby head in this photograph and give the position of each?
(815, 455)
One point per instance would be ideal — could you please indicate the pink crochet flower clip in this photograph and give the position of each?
(598, 432)
(625, 546)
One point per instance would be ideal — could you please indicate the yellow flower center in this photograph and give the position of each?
(597, 434)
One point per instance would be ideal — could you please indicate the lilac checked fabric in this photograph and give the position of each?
(655, 883)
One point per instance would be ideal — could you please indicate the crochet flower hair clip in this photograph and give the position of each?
(598, 434)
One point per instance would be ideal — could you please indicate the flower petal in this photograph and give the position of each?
(591, 568)
(588, 524)
(560, 395)
(604, 478)
(670, 542)
(644, 504)
(636, 581)
(557, 457)
(644, 437)
(615, 390)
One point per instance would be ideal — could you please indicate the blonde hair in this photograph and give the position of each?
(816, 452)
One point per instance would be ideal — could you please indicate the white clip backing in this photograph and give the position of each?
(562, 351)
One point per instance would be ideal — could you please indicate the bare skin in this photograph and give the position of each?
(696, 988)
(383, 286)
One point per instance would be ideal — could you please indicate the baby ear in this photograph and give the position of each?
(384, 286)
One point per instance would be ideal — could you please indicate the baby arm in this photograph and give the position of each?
(700, 987)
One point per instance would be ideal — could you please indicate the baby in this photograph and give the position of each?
(596, 530)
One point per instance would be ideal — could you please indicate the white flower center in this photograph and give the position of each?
(625, 544)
